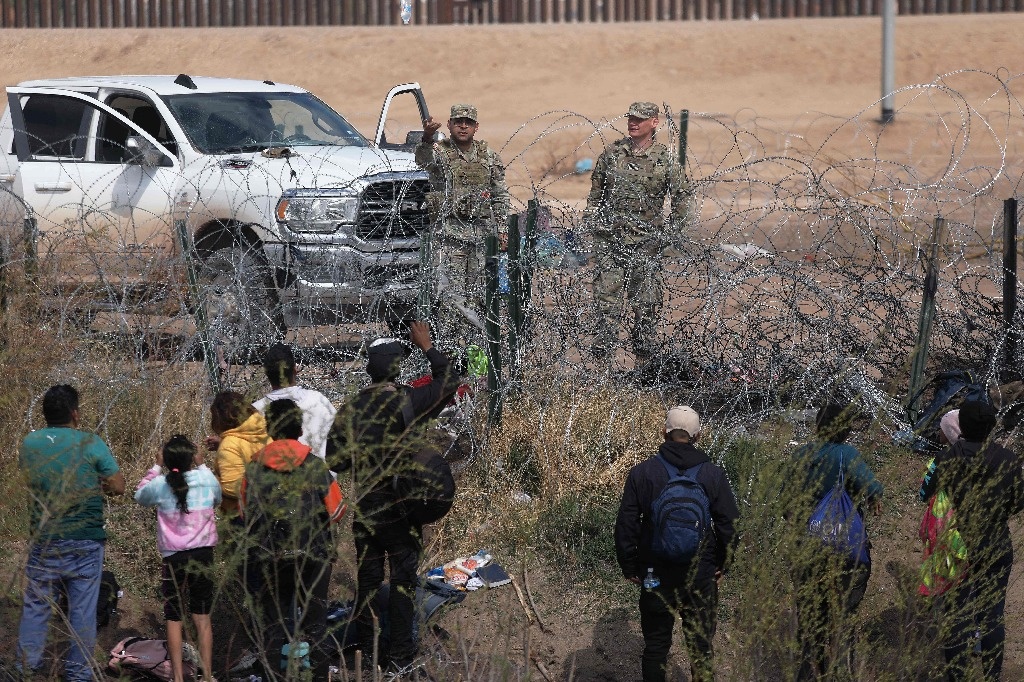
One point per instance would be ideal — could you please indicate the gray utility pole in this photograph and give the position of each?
(888, 69)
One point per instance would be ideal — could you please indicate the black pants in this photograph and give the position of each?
(292, 590)
(401, 544)
(697, 606)
(829, 590)
(977, 605)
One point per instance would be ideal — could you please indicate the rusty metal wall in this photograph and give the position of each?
(197, 13)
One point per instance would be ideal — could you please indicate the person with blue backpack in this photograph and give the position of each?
(832, 564)
(673, 536)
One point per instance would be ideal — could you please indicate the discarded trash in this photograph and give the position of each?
(746, 251)
(584, 166)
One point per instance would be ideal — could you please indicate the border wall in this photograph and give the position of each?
(230, 13)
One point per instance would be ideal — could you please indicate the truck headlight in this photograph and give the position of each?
(323, 211)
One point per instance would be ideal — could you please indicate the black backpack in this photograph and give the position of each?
(106, 604)
(425, 486)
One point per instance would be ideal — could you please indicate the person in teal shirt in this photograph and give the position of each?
(67, 472)
(830, 586)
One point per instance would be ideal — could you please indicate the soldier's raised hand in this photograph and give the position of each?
(430, 128)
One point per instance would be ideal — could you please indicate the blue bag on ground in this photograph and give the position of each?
(681, 516)
(837, 523)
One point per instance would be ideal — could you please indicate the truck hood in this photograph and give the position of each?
(312, 167)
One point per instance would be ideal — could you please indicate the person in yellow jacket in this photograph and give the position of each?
(241, 432)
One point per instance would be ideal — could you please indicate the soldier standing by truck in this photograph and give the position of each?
(468, 201)
(625, 210)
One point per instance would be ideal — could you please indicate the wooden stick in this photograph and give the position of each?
(522, 600)
(529, 595)
(543, 670)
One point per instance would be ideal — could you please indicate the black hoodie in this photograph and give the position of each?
(986, 485)
(643, 486)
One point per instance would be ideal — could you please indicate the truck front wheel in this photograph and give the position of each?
(239, 301)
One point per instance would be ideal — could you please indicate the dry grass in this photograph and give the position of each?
(542, 495)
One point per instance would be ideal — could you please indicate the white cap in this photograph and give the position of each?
(683, 418)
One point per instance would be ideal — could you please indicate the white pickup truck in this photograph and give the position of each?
(291, 212)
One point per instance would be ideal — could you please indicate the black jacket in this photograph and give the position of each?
(644, 484)
(986, 486)
(370, 435)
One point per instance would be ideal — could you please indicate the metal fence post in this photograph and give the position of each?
(924, 325)
(515, 292)
(30, 234)
(1010, 284)
(493, 330)
(528, 259)
(202, 324)
(684, 125)
(426, 275)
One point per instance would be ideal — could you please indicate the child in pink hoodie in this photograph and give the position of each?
(185, 499)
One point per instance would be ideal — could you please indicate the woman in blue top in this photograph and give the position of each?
(829, 584)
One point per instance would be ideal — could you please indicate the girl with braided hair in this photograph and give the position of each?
(185, 498)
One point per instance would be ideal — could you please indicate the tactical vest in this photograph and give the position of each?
(634, 187)
(633, 198)
(470, 187)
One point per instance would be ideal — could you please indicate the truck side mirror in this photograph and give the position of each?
(142, 152)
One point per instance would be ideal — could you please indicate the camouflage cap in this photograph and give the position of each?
(463, 111)
(643, 110)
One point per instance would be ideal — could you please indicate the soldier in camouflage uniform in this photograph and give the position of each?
(625, 210)
(468, 201)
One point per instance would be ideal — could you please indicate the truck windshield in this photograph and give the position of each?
(224, 122)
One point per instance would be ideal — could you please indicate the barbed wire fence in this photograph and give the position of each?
(803, 260)
(801, 271)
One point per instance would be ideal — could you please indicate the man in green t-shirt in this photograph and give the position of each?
(67, 472)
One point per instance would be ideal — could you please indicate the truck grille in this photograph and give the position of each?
(393, 209)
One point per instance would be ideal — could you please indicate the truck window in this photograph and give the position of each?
(56, 126)
(110, 139)
(225, 122)
(141, 112)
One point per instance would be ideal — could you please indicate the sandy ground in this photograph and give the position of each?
(789, 73)
(779, 69)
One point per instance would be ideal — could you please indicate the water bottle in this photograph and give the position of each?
(406, 11)
(651, 581)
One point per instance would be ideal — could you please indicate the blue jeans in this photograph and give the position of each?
(77, 565)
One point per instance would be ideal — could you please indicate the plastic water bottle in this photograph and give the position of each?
(651, 581)
(406, 11)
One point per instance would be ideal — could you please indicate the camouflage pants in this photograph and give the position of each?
(457, 300)
(627, 291)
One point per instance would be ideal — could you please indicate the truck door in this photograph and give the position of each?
(99, 205)
(401, 118)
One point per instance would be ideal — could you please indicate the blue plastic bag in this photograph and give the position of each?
(837, 523)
